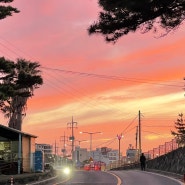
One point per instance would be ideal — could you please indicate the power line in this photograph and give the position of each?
(128, 125)
(157, 126)
(152, 132)
(112, 77)
(107, 143)
(82, 92)
(109, 77)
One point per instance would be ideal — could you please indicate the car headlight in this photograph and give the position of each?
(66, 170)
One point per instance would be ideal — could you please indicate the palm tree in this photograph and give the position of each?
(18, 82)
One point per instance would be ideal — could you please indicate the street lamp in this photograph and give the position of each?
(79, 141)
(90, 133)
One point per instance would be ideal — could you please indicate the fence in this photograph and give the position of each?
(162, 149)
(151, 154)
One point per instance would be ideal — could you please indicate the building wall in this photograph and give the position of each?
(33, 149)
(26, 150)
(98, 156)
(32, 144)
(113, 155)
(107, 156)
(80, 155)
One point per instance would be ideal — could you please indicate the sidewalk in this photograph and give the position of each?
(22, 179)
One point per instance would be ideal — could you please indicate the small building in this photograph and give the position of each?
(47, 150)
(113, 156)
(16, 150)
(99, 155)
(80, 155)
(132, 155)
(104, 155)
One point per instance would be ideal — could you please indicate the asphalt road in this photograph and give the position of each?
(132, 177)
(90, 178)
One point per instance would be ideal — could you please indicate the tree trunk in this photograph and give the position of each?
(18, 105)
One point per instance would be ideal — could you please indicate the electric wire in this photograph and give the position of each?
(84, 74)
(109, 77)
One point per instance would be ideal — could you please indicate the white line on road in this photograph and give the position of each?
(180, 183)
(119, 180)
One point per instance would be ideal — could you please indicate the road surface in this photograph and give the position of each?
(134, 177)
(131, 177)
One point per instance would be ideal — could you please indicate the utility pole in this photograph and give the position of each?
(139, 133)
(138, 153)
(136, 136)
(72, 125)
(64, 139)
(56, 152)
(56, 148)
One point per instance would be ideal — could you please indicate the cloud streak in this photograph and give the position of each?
(149, 73)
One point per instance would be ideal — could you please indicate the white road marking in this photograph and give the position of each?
(117, 177)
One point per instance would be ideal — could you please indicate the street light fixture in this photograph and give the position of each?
(90, 133)
(79, 141)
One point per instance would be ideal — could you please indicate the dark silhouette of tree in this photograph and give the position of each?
(180, 133)
(120, 17)
(7, 10)
(18, 80)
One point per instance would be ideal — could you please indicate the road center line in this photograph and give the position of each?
(119, 180)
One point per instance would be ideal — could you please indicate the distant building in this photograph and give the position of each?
(104, 154)
(47, 150)
(98, 156)
(79, 155)
(132, 155)
(113, 156)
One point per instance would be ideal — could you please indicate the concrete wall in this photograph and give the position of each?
(173, 161)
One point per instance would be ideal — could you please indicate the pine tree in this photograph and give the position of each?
(7, 10)
(120, 17)
(180, 133)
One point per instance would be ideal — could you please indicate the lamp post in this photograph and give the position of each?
(90, 133)
(79, 141)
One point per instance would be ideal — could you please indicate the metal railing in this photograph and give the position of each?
(151, 154)
(162, 149)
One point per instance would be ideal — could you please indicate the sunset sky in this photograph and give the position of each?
(101, 85)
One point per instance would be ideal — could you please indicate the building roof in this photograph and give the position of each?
(12, 133)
